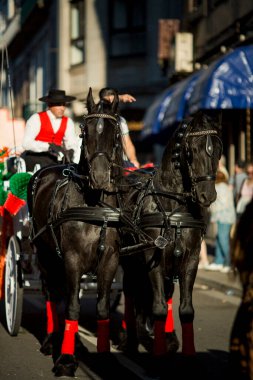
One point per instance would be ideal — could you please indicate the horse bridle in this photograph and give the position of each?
(184, 134)
(98, 153)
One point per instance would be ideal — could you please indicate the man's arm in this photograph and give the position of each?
(126, 98)
(129, 150)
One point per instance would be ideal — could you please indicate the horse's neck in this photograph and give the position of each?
(168, 176)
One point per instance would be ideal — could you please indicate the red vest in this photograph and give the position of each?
(46, 132)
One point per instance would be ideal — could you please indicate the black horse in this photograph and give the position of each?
(74, 210)
(168, 209)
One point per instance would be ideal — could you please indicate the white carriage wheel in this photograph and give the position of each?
(13, 287)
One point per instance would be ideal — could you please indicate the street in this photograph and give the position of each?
(214, 314)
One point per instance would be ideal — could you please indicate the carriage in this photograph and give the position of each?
(90, 217)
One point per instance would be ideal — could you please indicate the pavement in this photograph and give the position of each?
(228, 283)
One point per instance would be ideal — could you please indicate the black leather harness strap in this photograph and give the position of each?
(177, 220)
(184, 219)
(92, 215)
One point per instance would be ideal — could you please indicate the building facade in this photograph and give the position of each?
(139, 47)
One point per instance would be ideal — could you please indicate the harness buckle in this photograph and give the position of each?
(160, 242)
(101, 246)
(178, 249)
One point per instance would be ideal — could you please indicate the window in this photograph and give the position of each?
(127, 27)
(194, 5)
(8, 10)
(77, 32)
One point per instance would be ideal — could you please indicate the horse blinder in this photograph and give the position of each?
(209, 146)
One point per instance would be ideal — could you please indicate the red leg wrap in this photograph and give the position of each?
(188, 339)
(169, 325)
(123, 324)
(160, 347)
(103, 335)
(68, 344)
(52, 317)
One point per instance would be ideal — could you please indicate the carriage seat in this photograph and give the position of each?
(14, 164)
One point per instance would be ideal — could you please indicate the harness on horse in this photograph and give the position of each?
(105, 216)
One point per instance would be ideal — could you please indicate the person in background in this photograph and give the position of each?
(107, 93)
(203, 257)
(222, 167)
(246, 191)
(223, 214)
(50, 134)
(237, 179)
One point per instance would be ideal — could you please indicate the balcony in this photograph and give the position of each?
(12, 29)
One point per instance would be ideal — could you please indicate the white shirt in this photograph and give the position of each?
(223, 208)
(123, 126)
(32, 129)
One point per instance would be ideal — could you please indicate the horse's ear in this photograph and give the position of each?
(216, 116)
(115, 102)
(219, 118)
(90, 100)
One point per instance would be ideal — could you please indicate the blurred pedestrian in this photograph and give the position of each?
(246, 191)
(222, 167)
(203, 257)
(237, 179)
(223, 214)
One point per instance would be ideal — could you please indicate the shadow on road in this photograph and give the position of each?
(204, 366)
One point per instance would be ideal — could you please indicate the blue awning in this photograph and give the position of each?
(226, 84)
(155, 113)
(178, 107)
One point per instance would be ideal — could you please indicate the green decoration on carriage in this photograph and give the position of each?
(3, 192)
(17, 196)
(19, 183)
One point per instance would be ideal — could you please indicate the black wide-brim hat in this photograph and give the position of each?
(57, 96)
